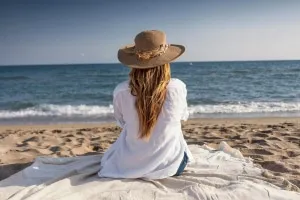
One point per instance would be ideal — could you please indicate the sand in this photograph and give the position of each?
(273, 143)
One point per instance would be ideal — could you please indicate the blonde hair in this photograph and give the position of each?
(150, 87)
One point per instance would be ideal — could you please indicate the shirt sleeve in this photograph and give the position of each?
(118, 111)
(185, 112)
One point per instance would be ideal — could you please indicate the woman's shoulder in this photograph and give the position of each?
(176, 83)
(123, 86)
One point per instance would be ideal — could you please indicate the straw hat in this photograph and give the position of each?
(150, 50)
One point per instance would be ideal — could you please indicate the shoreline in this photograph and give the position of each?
(226, 120)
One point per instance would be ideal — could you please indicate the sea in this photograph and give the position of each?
(82, 93)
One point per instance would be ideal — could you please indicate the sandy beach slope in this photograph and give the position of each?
(274, 143)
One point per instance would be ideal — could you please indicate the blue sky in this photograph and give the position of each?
(62, 31)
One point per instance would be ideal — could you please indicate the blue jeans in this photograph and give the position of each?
(182, 165)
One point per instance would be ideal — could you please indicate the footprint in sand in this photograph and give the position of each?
(240, 146)
(79, 133)
(56, 131)
(69, 135)
(67, 140)
(41, 131)
(293, 139)
(32, 139)
(55, 149)
(205, 133)
(293, 154)
(288, 124)
(84, 129)
(29, 152)
(196, 142)
(275, 126)
(224, 129)
(261, 134)
(21, 144)
(295, 166)
(80, 140)
(257, 151)
(189, 130)
(109, 141)
(266, 131)
(284, 134)
(99, 147)
(274, 138)
(260, 142)
(95, 138)
(275, 166)
(243, 127)
(110, 129)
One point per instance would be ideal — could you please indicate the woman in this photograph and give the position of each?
(149, 109)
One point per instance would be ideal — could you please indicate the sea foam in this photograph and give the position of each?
(51, 110)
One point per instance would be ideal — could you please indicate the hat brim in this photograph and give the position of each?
(127, 57)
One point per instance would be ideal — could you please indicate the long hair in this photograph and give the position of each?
(150, 87)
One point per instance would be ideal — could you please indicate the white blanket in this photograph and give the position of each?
(214, 175)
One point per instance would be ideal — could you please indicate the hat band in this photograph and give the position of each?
(146, 55)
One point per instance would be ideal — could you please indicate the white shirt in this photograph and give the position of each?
(160, 157)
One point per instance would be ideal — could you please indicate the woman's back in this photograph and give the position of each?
(174, 107)
(158, 157)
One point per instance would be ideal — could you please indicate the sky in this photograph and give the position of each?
(73, 31)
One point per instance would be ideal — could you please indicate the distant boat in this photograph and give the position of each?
(191, 63)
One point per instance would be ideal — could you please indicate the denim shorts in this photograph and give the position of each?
(182, 165)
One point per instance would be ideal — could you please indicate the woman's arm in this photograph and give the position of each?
(185, 112)
(118, 111)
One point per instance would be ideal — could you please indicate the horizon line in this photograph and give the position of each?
(209, 61)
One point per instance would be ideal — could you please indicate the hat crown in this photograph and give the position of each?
(149, 40)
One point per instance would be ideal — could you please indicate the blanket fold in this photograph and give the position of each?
(213, 175)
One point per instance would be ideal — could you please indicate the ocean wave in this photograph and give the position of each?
(50, 110)
(249, 107)
(5, 78)
(58, 110)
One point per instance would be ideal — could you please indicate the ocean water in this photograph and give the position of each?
(83, 93)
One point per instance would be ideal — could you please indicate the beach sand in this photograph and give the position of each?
(274, 143)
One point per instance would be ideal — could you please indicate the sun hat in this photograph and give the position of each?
(150, 50)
